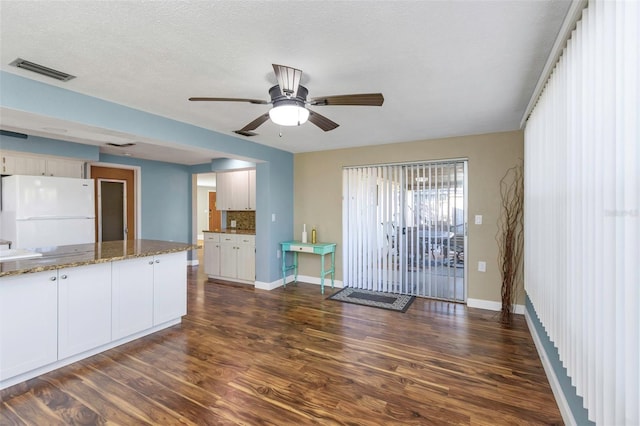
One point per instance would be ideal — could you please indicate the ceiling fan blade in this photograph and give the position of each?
(321, 121)
(288, 79)
(253, 101)
(364, 99)
(253, 125)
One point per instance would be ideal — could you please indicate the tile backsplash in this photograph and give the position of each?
(245, 220)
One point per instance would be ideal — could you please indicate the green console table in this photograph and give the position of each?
(300, 247)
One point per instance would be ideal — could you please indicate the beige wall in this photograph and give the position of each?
(318, 195)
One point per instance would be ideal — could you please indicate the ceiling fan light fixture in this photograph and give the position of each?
(289, 115)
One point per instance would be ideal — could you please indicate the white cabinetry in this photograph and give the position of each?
(148, 291)
(236, 190)
(49, 318)
(84, 308)
(37, 165)
(212, 253)
(132, 296)
(13, 164)
(246, 257)
(252, 189)
(228, 256)
(64, 168)
(224, 190)
(237, 257)
(169, 287)
(28, 322)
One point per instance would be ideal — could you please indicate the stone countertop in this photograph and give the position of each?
(88, 254)
(233, 231)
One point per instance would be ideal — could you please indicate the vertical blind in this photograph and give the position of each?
(582, 233)
(403, 228)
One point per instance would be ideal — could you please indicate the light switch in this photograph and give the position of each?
(273, 217)
(478, 219)
(482, 266)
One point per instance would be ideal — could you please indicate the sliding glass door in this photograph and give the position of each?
(404, 228)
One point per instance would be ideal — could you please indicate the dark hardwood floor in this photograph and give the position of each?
(284, 357)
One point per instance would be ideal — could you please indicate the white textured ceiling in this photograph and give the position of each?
(445, 68)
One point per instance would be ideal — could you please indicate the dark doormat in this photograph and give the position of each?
(376, 299)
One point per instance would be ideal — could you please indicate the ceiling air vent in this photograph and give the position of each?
(13, 134)
(42, 70)
(121, 145)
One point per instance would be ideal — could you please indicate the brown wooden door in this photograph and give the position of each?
(215, 218)
(99, 172)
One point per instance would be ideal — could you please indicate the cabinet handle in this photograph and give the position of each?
(52, 279)
(151, 262)
(63, 277)
(157, 261)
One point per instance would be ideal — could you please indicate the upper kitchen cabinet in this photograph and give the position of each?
(236, 190)
(38, 165)
(252, 189)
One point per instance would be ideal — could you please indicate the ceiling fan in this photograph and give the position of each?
(289, 100)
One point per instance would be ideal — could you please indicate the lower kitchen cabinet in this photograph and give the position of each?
(50, 317)
(148, 291)
(246, 258)
(237, 257)
(28, 322)
(132, 296)
(84, 308)
(169, 287)
(212, 253)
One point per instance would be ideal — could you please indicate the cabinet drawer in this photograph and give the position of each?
(227, 238)
(246, 239)
(211, 237)
(303, 249)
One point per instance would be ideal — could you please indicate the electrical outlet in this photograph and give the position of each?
(478, 219)
(233, 223)
(482, 266)
(273, 217)
(278, 253)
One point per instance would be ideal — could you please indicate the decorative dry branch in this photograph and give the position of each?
(510, 238)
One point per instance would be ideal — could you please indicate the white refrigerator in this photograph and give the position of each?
(46, 211)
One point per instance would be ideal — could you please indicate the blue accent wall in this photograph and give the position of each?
(24, 94)
(575, 402)
(46, 146)
(274, 167)
(165, 197)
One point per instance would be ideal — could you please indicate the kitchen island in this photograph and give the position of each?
(78, 300)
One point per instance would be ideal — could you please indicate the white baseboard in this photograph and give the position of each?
(261, 285)
(561, 400)
(301, 278)
(492, 305)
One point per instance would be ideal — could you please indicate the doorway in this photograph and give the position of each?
(215, 215)
(112, 210)
(119, 217)
(404, 228)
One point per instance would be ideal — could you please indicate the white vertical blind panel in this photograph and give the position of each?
(397, 219)
(582, 183)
